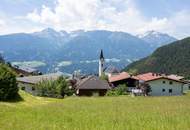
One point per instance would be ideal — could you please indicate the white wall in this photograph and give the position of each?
(186, 87)
(28, 88)
(157, 87)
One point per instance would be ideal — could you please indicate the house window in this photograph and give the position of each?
(163, 90)
(170, 90)
(164, 82)
(171, 82)
(189, 87)
(22, 88)
(33, 88)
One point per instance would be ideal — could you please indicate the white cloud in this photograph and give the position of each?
(2, 23)
(89, 14)
(15, 25)
(154, 24)
(114, 15)
(176, 25)
(179, 24)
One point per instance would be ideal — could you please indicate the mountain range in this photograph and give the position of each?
(156, 39)
(50, 50)
(173, 58)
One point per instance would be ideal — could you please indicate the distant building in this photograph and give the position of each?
(111, 71)
(101, 63)
(29, 83)
(92, 85)
(25, 71)
(124, 78)
(163, 85)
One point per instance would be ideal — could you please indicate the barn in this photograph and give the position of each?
(91, 86)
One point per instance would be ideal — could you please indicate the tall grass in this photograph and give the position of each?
(96, 113)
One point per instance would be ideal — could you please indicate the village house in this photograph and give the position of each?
(186, 86)
(25, 71)
(163, 85)
(111, 71)
(124, 78)
(92, 85)
(29, 83)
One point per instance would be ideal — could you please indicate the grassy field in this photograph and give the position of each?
(96, 113)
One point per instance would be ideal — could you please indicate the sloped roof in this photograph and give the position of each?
(92, 82)
(148, 76)
(28, 69)
(25, 69)
(37, 79)
(154, 76)
(111, 69)
(101, 54)
(121, 76)
(177, 77)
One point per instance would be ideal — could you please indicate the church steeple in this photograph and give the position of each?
(101, 63)
(101, 54)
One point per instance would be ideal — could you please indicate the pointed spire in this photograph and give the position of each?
(101, 54)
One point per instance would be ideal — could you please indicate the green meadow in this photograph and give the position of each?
(96, 113)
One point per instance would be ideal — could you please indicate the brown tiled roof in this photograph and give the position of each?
(177, 77)
(148, 76)
(92, 82)
(121, 76)
(154, 76)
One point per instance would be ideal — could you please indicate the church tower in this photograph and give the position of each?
(101, 63)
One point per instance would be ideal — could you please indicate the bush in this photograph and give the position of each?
(146, 89)
(55, 88)
(2, 59)
(104, 77)
(120, 90)
(8, 85)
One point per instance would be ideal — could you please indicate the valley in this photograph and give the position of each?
(51, 51)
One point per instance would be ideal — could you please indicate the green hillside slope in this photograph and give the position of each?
(170, 59)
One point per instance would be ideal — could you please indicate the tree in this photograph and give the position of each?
(132, 72)
(63, 87)
(119, 90)
(55, 88)
(8, 85)
(2, 59)
(104, 77)
(146, 89)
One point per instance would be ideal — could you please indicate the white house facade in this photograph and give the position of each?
(186, 87)
(165, 87)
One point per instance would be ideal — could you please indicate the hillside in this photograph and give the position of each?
(51, 50)
(171, 59)
(113, 113)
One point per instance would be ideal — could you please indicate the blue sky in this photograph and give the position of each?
(133, 16)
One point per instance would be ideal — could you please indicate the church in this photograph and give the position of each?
(93, 85)
(101, 63)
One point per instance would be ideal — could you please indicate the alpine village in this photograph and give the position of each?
(107, 82)
(94, 65)
(138, 79)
